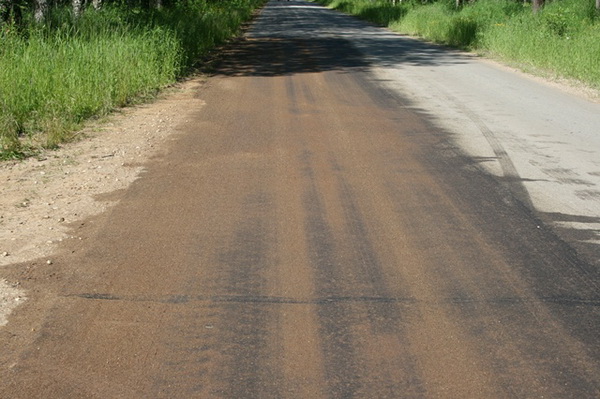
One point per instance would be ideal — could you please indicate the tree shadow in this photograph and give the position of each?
(287, 56)
(291, 37)
(582, 231)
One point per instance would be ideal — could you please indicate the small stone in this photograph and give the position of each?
(49, 262)
(5, 253)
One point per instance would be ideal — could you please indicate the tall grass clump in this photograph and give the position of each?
(463, 27)
(380, 12)
(50, 84)
(562, 40)
(55, 75)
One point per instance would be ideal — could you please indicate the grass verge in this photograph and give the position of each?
(563, 40)
(54, 76)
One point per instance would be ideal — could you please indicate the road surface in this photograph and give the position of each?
(313, 232)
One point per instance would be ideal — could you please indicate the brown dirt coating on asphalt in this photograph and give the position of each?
(44, 196)
(305, 234)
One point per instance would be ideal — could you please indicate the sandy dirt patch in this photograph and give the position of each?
(42, 197)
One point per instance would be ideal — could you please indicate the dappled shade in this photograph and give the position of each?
(279, 56)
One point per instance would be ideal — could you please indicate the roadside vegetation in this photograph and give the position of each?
(560, 38)
(68, 64)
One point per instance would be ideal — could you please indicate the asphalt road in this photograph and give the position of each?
(312, 233)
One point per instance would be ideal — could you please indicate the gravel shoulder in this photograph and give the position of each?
(43, 197)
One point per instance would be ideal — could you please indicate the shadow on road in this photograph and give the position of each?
(299, 37)
(279, 56)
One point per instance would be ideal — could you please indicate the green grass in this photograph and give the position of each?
(55, 76)
(380, 12)
(563, 40)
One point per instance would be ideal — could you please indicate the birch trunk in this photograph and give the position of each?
(76, 8)
(41, 6)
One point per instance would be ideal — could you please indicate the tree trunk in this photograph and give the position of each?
(76, 4)
(598, 5)
(97, 4)
(537, 5)
(41, 6)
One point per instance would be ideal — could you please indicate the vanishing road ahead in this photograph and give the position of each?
(315, 233)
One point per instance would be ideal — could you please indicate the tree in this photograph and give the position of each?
(538, 5)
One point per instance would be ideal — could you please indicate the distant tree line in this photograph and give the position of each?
(15, 11)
